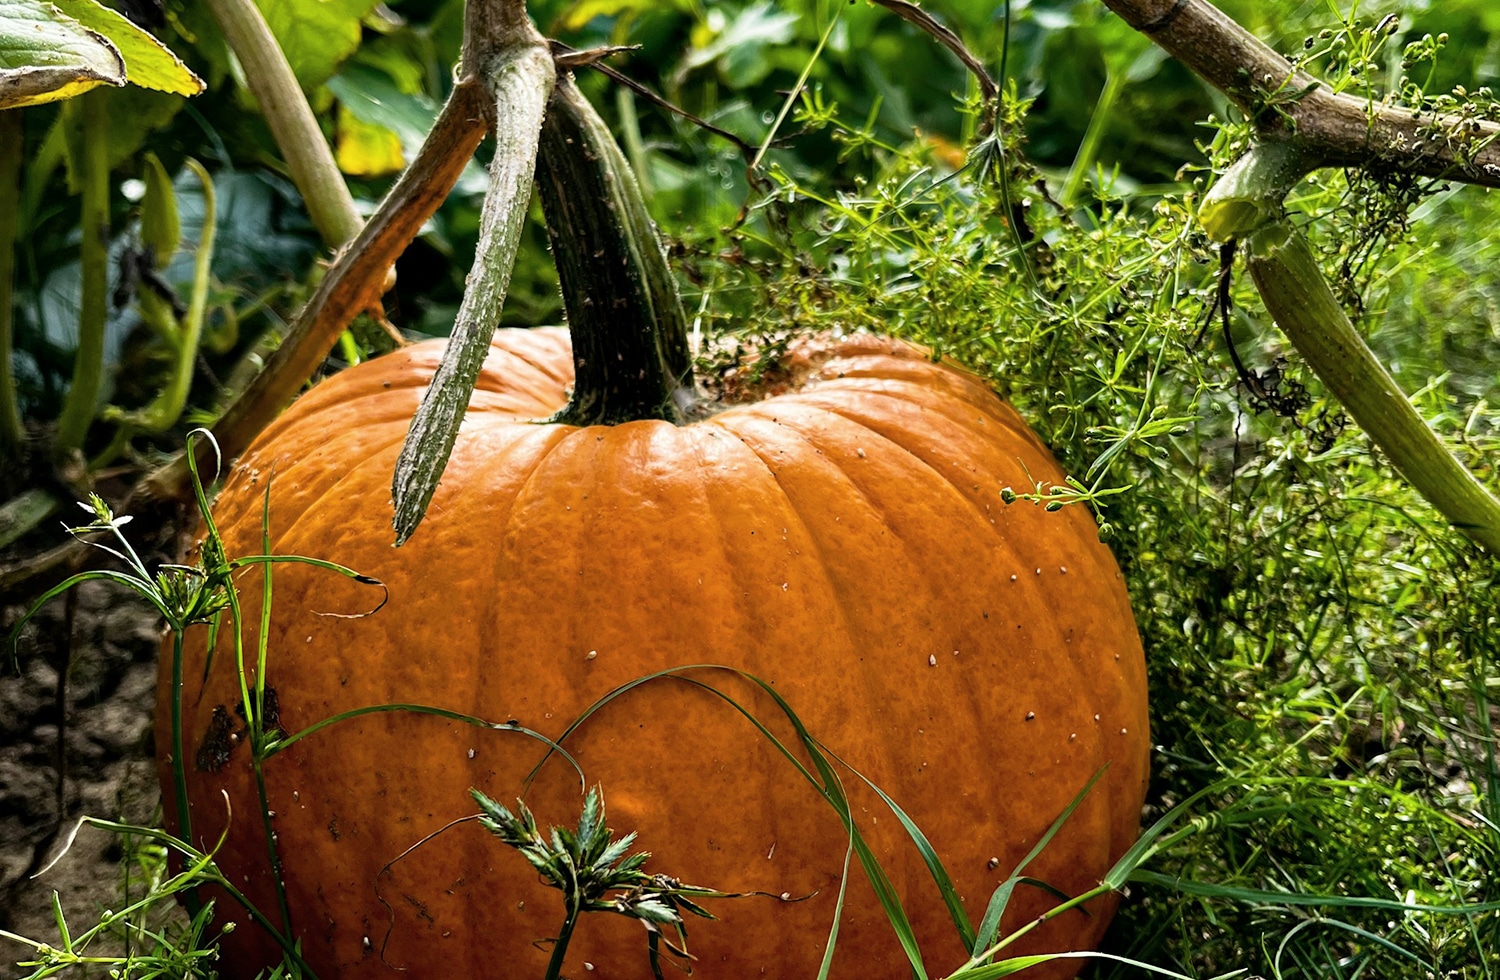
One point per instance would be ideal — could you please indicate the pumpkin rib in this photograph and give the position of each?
(744, 612)
(924, 378)
(730, 443)
(492, 614)
(555, 451)
(933, 381)
(378, 458)
(911, 878)
(994, 526)
(968, 501)
(1078, 658)
(497, 671)
(830, 581)
(1010, 423)
(538, 349)
(345, 441)
(958, 421)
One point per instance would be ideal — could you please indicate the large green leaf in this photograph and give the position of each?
(56, 50)
(148, 62)
(316, 35)
(46, 55)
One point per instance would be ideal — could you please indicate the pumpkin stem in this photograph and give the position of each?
(630, 349)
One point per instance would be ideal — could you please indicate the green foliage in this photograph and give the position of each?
(59, 49)
(1322, 649)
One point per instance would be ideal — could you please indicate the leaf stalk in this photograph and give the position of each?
(1296, 293)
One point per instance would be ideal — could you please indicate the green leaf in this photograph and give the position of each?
(743, 44)
(46, 55)
(652, 910)
(148, 62)
(316, 36)
(161, 229)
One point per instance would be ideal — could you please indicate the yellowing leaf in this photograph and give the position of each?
(46, 55)
(148, 62)
(366, 149)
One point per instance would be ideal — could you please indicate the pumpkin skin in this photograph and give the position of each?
(840, 535)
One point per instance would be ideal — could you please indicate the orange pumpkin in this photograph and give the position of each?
(843, 539)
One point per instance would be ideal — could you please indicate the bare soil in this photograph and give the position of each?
(75, 739)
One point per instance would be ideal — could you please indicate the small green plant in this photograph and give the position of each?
(596, 873)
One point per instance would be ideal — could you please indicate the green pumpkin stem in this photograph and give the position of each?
(630, 349)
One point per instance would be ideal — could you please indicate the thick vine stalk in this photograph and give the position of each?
(88, 361)
(293, 126)
(1250, 194)
(1297, 295)
(1288, 104)
(522, 78)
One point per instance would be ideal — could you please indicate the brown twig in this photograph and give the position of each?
(567, 58)
(1336, 130)
(989, 92)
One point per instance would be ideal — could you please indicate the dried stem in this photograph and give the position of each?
(523, 77)
(1332, 130)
